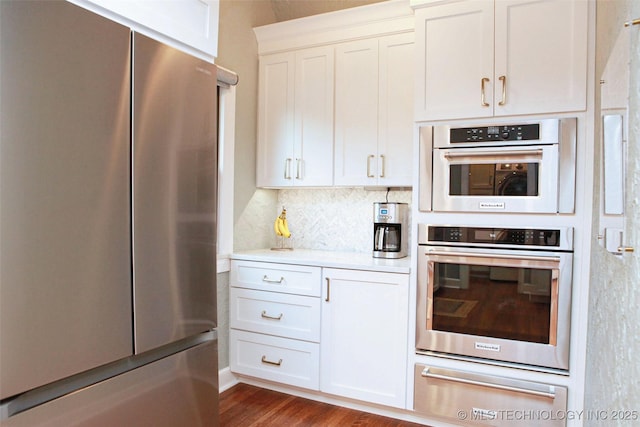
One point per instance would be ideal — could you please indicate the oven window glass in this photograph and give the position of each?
(500, 302)
(496, 179)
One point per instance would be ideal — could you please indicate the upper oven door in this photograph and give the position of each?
(496, 179)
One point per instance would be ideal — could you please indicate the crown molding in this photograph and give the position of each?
(388, 17)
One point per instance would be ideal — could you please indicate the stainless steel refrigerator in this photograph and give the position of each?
(107, 224)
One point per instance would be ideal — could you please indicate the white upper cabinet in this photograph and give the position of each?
(335, 103)
(511, 57)
(395, 110)
(356, 112)
(275, 120)
(295, 119)
(374, 111)
(189, 25)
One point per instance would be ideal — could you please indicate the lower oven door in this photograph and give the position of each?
(504, 305)
(475, 399)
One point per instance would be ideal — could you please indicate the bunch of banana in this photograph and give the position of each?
(280, 226)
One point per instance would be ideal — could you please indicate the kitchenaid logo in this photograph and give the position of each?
(491, 205)
(487, 347)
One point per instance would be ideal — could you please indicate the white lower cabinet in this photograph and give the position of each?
(283, 360)
(291, 316)
(364, 335)
(351, 342)
(275, 322)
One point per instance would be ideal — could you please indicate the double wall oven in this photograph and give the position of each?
(494, 294)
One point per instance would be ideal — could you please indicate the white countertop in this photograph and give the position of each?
(330, 259)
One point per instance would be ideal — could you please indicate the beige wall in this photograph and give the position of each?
(613, 355)
(238, 51)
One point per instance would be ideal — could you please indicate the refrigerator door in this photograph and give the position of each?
(174, 194)
(65, 257)
(179, 390)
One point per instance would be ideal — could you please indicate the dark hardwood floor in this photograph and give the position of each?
(244, 405)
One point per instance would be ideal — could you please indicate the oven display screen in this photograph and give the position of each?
(524, 132)
(497, 236)
(484, 236)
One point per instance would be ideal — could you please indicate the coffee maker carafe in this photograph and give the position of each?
(390, 230)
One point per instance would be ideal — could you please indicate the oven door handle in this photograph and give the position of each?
(497, 154)
(548, 394)
(490, 255)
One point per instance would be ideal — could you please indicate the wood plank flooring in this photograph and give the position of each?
(245, 405)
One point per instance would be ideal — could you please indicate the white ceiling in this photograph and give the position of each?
(285, 10)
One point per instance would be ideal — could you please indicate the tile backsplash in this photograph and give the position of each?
(339, 219)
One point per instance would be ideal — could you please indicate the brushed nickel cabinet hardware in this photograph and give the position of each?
(369, 174)
(328, 290)
(383, 160)
(623, 249)
(287, 168)
(298, 168)
(266, 316)
(269, 362)
(632, 22)
(268, 280)
(503, 79)
(482, 95)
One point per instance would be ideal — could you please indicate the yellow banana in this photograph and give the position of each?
(281, 225)
(284, 228)
(276, 226)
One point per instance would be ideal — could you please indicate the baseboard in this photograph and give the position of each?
(226, 379)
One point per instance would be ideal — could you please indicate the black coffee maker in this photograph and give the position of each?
(390, 230)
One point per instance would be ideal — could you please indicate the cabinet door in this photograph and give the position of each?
(356, 132)
(454, 51)
(547, 72)
(275, 121)
(395, 127)
(193, 23)
(313, 154)
(364, 336)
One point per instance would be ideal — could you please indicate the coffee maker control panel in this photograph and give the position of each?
(387, 213)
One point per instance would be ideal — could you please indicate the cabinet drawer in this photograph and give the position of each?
(486, 400)
(285, 315)
(278, 359)
(266, 276)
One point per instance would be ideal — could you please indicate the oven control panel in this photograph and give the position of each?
(495, 236)
(524, 132)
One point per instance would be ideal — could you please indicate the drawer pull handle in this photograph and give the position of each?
(266, 279)
(269, 362)
(266, 316)
(549, 395)
(328, 298)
